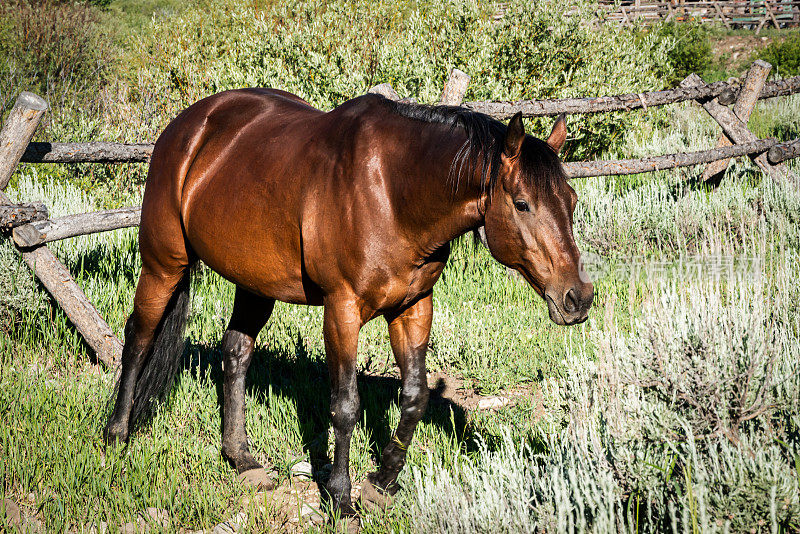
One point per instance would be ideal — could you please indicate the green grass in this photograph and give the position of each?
(129, 18)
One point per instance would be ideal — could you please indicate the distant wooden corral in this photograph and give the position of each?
(754, 14)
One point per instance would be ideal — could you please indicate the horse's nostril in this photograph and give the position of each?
(570, 301)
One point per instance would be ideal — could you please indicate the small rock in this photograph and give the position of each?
(259, 479)
(302, 469)
(232, 525)
(224, 528)
(33, 525)
(13, 514)
(492, 403)
(312, 514)
(100, 528)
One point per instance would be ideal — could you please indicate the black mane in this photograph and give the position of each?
(484, 145)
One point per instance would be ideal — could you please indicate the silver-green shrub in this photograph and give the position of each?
(687, 423)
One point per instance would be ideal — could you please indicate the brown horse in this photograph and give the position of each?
(353, 210)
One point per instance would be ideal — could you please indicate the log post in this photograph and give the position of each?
(13, 215)
(738, 133)
(95, 152)
(14, 137)
(17, 132)
(455, 88)
(721, 15)
(771, 15)
(748, 96)
(384, 89)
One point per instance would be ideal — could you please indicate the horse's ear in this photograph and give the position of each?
(515, 135)
(558, 135)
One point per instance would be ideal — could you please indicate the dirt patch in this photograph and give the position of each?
(447, 388)
(734, 52)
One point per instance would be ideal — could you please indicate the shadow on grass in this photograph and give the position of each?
(303, 380)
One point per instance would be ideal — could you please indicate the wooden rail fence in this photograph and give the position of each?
(31, 229)
(754, 14)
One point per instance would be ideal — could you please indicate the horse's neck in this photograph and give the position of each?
(437, 205)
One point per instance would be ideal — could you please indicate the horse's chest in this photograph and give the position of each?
(422, 280)
(414, 281)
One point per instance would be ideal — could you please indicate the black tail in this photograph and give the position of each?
(164, 362)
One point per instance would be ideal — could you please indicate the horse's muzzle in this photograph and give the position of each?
(570, 306)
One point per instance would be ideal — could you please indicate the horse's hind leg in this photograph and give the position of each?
(250, 314)
(409, 333)
(154, 292)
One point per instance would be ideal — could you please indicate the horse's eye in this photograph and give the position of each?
(521, 205)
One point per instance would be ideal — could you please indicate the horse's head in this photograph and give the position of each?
(529, 222)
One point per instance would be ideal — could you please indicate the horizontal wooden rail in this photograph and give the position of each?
(586, 169)
(12, 215)
(551, 108)
(94, 152)
(37, 233)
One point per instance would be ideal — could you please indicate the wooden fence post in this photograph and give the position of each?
(384, 89)
(14, 138)
(748, 96)
(738, 133)
(17, 132)
(455, 88)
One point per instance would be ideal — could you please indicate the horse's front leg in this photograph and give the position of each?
(341, 326)
(409, 333)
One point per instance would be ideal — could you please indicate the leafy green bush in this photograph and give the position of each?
(691, 50)
(784, 56)
(51, 43)
(328, 52)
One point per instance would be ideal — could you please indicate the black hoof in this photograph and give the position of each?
(115, 434)
(259, 479)
(374, 497)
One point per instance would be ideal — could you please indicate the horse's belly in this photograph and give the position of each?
(253, 248)
(265, 279)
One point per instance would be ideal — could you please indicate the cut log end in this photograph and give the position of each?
(27, 236)
(29, 100)
(13, 215)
